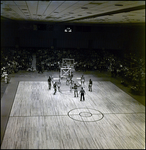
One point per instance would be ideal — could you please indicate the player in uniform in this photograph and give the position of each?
(58, 85)
(90, 85)
(82, 80)
(75, 90)
(49, 82)
(55, 87)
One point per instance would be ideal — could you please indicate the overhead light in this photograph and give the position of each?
(68, 29)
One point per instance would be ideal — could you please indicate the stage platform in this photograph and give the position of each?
(109, 118)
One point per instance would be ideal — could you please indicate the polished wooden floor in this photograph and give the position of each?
(109, 118)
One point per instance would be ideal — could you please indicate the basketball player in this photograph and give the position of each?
(90, 85)
(75, 90)
(71, 85)
(49, 82)
(58, 85)
(52, 78)
(82, 80)
(71, 75)
(55, 88)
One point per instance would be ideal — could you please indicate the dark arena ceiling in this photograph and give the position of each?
(93, 12)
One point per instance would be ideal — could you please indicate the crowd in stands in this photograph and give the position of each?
(129, 68)
(13, 60)
(52, 59)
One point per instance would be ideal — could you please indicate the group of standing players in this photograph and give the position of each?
(57, 85)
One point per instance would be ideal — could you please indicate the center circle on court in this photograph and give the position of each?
(85, 114)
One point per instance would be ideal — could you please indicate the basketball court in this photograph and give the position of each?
(108, 118)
